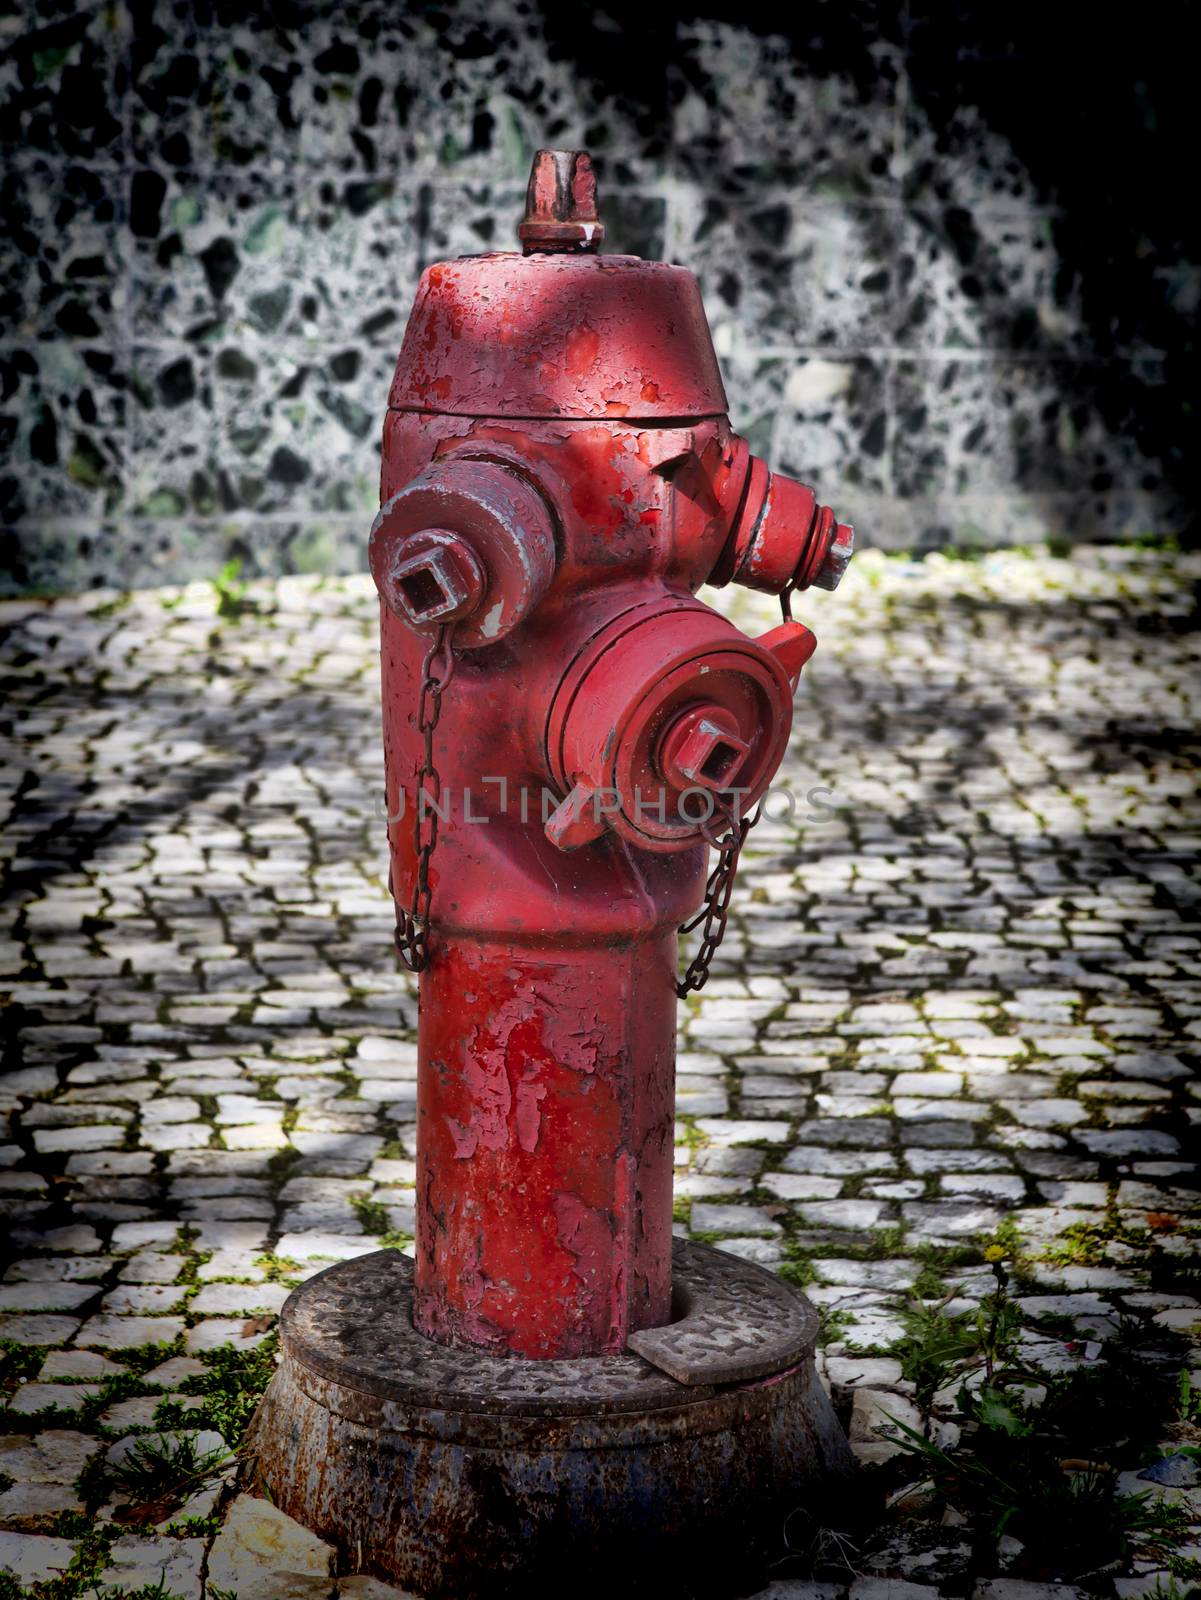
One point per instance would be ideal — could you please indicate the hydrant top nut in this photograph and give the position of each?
(560, 204)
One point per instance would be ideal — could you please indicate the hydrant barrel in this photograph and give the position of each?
(546, 1120)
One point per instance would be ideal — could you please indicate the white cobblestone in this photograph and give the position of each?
(969, 999)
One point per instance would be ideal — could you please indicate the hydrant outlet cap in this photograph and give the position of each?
(841, 549)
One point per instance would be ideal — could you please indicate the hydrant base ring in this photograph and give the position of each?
(459, 1473)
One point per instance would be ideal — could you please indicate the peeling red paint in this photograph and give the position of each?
(595, 323)
(528, 1115)
(523, 1226)
(583, 347)
(585, 1233)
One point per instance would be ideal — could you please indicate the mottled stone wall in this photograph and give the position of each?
(944, 257)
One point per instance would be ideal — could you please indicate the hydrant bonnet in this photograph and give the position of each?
(584, 336)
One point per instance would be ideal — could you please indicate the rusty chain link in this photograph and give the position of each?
(412, 930)
(715, 912)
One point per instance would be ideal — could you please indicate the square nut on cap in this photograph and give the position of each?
(437, 578)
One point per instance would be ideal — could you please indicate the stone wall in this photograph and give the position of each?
(944, 256)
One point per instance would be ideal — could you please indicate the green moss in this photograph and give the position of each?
(279, 1166)
(1086, 1244)
(929, 1283)
(278, 1269)
(798, 1271)
(692, 1137)
(232, 1387)
(371, 1213)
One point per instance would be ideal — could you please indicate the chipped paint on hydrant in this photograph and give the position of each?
(557, 421)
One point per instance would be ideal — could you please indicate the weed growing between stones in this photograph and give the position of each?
(1084, 1244)
(373, 1215)
(162, 1472)
(831, 1325)
(798, 1270)
(102, 1393)
(1031, 1460)
(81, 1579)
(18, 1363)
(1015, 1425)
(232, 594)
(937, 1345)
(370, 1213)
(1188, 1401)
(230, 1389)
(1011, 1480)
(161, 1469)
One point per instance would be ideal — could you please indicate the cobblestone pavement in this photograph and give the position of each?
(960, 1002)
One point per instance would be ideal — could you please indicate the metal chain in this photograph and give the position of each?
(412, 931)
(715, 912)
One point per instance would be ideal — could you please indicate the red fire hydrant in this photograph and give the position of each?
(568, 732)
(559, 478)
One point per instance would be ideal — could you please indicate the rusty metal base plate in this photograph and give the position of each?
(458, 1473)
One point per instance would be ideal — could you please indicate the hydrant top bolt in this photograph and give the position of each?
(560, 204)
(703, 749)
(437, 578)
